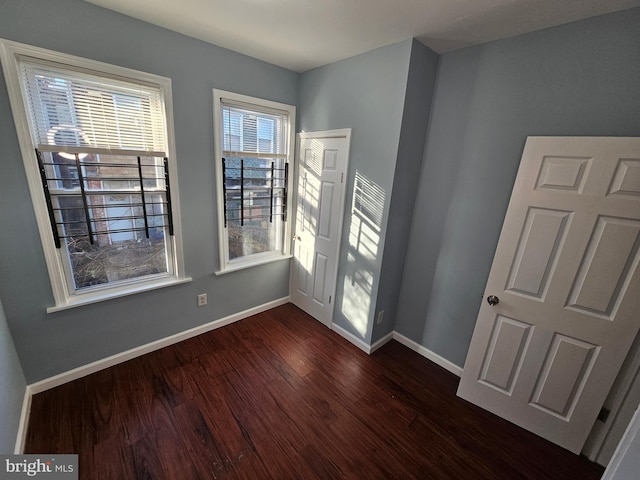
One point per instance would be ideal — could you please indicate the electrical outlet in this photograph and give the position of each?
(379, 318)
(202, 299)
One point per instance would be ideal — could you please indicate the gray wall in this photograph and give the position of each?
(54, 343)
(365, 93)
(578, 79)
(12, 388)
(417, 105)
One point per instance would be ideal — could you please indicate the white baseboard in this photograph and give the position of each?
(358, 342)
(407, 342)
(107, 362)
(428, 354)
(21, 437)
(375, 346)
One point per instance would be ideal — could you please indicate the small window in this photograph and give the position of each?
(254, 144)
(104, 173)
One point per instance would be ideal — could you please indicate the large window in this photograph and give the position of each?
(254, 143)
(99, 160)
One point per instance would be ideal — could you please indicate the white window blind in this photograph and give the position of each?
(251, 132)
(68, 109)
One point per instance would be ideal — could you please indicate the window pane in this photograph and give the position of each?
(265, 135)
(254, 237)
(251, 131)
(113, 212)
(232, 122)
(112, 259)
(254, 205)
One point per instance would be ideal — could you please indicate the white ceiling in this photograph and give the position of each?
(303, 34)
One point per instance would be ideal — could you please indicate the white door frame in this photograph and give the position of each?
(621, 402)
(625, 458)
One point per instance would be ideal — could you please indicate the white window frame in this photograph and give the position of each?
(257, 104)
(64, 298)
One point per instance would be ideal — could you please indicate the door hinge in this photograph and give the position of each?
(329, 298)
(604, 414)
(342, 177)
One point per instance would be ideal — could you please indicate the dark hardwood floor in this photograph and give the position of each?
(279, 396)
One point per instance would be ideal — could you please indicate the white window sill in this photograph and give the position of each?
(101, 296)
(254, 263)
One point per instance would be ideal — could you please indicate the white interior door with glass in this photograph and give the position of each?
(563, 296)
(322, 160)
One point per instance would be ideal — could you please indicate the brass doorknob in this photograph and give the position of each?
(493, 300)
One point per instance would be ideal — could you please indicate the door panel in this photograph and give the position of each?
(626, 181)
(566, 367)
(604, 271)
(563, 173)
(320, 272)
(322, 166)
(327, 194)
(566, 274)
(537, 252)
(504, 356)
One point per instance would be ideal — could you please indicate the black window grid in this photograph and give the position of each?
(272, 191)
(83, 174)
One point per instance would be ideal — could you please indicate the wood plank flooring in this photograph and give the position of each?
(279, 396)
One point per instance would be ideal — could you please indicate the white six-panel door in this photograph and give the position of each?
(322, 159)
(568, 284)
